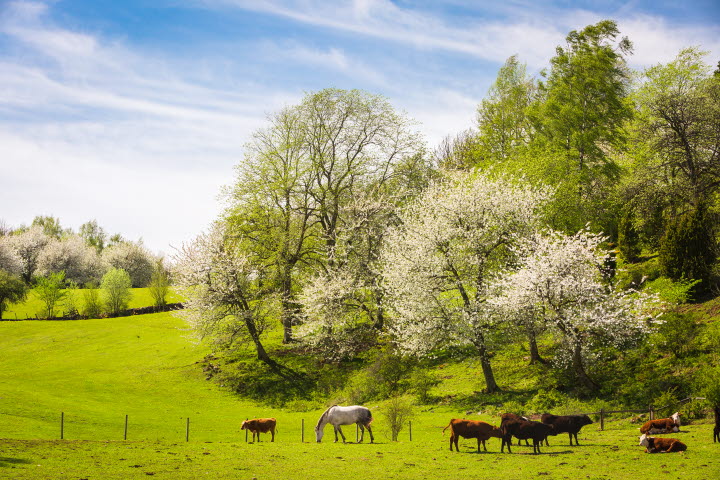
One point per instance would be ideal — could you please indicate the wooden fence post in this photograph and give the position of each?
(302, 430)
(187, 430)
(410, 428)
(651, 412)
(62, 425)
(246, 430)
(602, 419)
(126, 424)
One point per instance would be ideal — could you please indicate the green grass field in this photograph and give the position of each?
(33, 305)
(98, 371)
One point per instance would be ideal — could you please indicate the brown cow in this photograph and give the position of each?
(661, 445)
(511, 416)
(471, 429)
(662, 425)
(260, 425)
(716, 430)
(523, 429)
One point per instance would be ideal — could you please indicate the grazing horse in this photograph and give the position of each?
(337, 416)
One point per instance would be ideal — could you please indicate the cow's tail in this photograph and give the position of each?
(448, 426)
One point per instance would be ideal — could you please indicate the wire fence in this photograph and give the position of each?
(183, 427)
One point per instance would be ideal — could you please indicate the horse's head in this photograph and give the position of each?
(319, 433)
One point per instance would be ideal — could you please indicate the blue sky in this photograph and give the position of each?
(134, 112)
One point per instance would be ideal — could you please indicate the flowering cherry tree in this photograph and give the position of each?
(73, 256)
(438, 265)
(564, 277)
(224, 290)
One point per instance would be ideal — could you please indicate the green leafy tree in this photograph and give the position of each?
(503, 123)
(50, 225)
(579, 119)
(116, 286)
(12, 290)
(159, 283)
(50, 290)
(628, 237)
(687, 250)
(93, 234)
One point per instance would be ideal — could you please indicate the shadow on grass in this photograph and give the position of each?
(6, 462)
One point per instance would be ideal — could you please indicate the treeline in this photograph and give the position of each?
(55, 261)
(345, 228)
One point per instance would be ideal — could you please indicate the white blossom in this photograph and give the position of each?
(73, 256)
(27, 246)
(132, 257)
(10, 261)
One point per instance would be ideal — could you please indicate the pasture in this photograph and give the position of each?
(98, 371)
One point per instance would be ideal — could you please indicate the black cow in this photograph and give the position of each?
(523, 430)
(570, 424)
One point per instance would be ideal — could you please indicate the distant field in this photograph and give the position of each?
(98, 371)
(33, 305)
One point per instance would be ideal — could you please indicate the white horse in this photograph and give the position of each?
(337, 416)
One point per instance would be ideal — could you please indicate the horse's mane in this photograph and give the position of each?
(324, 415)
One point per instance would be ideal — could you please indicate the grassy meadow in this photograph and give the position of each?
(33, 305)
(98, 371)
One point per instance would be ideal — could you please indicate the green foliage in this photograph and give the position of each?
(677, 333)
(545, 401)
(687, 249)
(92, 305)
(387, 374)
(12, 290)
(708, 383)
(635, 275)
(49, 289)
(628, 237)
(671, 292)
(397, 412)
(159, 284)
(116, 286)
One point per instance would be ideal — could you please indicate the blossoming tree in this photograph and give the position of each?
(223, 287)
(438, 265)
(564, 277)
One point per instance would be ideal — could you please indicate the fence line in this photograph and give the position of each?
(602, 414)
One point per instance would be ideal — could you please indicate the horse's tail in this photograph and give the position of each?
(370, 417)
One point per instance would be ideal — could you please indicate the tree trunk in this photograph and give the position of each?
(534, 352)
(579, 368)
(491, 385)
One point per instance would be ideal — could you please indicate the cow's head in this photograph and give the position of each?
(644, 442)
(319, 434)
(676, 418)
(586, 420)
(244, 425)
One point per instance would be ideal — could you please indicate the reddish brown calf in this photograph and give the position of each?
(661, 445)
(260, 425)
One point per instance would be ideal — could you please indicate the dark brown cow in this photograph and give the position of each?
(258, 426)
(716, 430)
(471, 429)
(511, 416)
(662, 425)
(570, 424)
(523, 430)
(661, 445)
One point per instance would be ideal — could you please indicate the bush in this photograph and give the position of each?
(49, 290)
(631, 275)
(116, 286)
(670, 291)
(628, 237)
(159, 284)
(92, 307)
(545, 401)
(677, 333)
(687, 250)
(12, 290)
(397, 412)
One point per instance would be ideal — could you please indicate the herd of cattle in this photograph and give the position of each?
(522, 428)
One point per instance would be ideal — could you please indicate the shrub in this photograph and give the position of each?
(12, 290)
(397, 412)
(545, 401)
(628, 237)
(116, 285)
(677, 333)
(687, 250)
(49, 290)
(670, 291)
(92, 307)
(159, 284)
